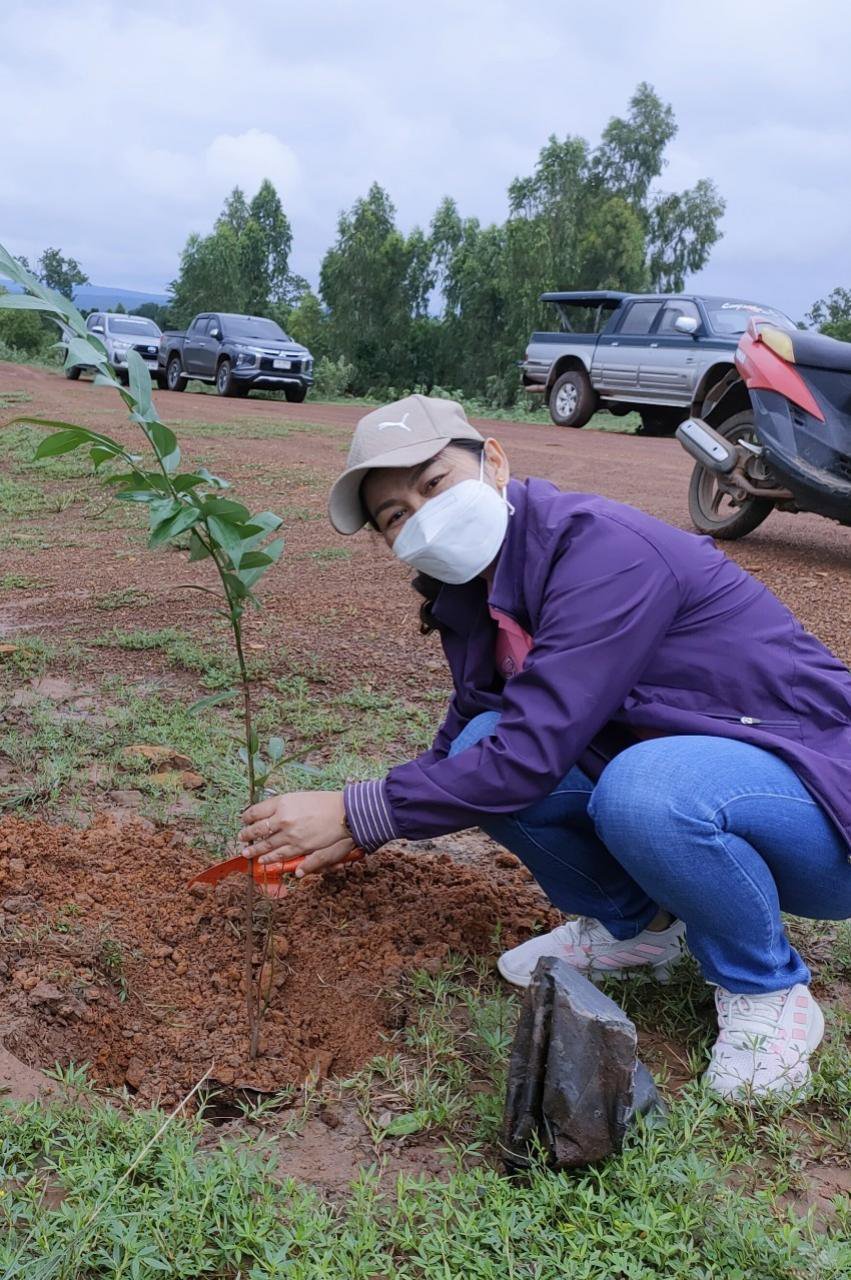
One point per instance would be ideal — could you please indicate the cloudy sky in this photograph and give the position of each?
(125, 124)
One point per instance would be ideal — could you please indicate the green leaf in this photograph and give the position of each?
(186, 482)
(60, 442)
(165, 442)
(253, 742)
(409, 1122)
(162, 509)
(276, 749)
(214, 480)
(225, 507)
(101, 454)
(140, 382)
(271, 552)
(255, 560)
(179, 524)
(234, 539)
(85, 351)
(24, 302)
(213, 700)
(235, 589)
(197, 550)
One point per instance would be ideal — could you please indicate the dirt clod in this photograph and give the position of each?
(167, 964)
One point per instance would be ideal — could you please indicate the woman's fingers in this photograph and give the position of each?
(324, 859)
(258, 812)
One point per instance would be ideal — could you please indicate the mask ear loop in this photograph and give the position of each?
(503, 493)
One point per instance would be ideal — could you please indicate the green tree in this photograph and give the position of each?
(242, 265)
(307, 322)
(57, 272)
(832, 315)
(24, 331)
(372, 282)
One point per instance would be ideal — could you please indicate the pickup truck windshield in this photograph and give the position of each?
(247, 327)
(136, 328)
(732, 317)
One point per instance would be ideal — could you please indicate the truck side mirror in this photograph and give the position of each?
(215, 333)
(686, 324)
(97, 328)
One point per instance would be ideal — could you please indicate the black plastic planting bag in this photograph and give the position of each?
(574, 1082)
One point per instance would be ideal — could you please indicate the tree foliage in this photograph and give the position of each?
(57, 272)
(454, 308)
(242, 265)
(832, 315)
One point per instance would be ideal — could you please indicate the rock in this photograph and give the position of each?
(126, 799)
(17, 866)
(134, 1073)
(191, 781)
(19, 904)
(507, 860)
(150, 756)
(46, 993)
(574, 1082)
(55, 688)
(25, 979)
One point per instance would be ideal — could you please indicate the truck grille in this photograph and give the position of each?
(147, 350)
(267, 364)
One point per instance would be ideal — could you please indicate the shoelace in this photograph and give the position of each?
(749, 1016)
(585, 936)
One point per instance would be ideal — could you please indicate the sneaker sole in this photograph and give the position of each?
(661, 972)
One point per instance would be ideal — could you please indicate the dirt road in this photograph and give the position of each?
(285, 455)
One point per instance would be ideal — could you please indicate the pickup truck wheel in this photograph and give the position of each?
(162, 381)
(295, 395)
(660, 422)
(73, 373)
(711, 509)
(224, 380)
(572, 399)
(175, 378)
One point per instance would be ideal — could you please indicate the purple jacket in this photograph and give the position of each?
(637, 627)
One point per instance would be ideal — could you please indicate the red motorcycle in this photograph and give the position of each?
(775, 432)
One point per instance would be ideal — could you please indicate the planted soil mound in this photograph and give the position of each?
(106, 958)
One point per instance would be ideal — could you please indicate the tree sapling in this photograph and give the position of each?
(177, 503)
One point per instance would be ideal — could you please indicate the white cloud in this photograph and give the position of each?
(126, 124)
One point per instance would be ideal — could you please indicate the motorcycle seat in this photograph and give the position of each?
(821, 352)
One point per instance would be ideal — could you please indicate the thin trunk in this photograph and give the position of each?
(252, 997)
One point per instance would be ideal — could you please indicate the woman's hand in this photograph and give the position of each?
(301, 823)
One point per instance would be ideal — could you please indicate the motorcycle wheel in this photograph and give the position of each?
(712, 510)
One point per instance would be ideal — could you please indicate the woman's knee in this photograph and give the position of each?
(481, 726)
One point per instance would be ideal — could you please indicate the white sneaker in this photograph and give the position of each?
(588, 945)
(765, 1042)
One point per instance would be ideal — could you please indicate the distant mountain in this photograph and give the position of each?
(103, 297)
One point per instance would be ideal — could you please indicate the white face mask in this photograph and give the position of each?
(455, 535)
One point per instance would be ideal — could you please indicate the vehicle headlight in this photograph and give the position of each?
(307, 364)
(244, 357)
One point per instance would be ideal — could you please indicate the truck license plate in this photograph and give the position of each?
(280, 364)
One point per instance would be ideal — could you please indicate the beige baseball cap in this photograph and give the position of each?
(400, 434)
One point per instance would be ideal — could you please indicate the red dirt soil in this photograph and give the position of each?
(83, 912)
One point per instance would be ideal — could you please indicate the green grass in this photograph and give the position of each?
(122, 598)
(255, 428)
(18, 582)
(693, 1197)
(327, 555)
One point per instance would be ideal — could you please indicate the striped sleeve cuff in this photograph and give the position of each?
(368, 814)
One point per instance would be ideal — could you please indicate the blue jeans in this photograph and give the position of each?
(721, 834)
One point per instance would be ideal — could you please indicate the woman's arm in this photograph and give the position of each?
(609, 601)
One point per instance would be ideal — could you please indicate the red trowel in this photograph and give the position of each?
(269, 876)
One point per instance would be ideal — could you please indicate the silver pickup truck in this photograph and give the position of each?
(655, 354)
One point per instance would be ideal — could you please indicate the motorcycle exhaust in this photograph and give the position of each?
(706, 446)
